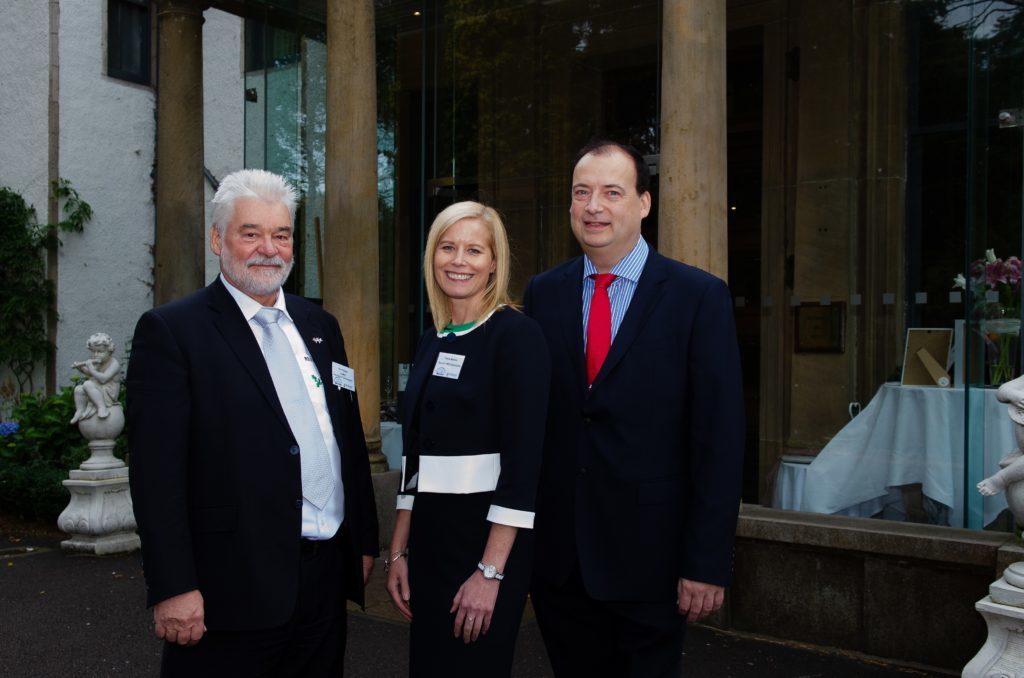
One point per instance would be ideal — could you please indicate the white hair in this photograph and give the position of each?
(250, 183)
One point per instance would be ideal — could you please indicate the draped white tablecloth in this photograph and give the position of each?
(909, 434)
(391, 443)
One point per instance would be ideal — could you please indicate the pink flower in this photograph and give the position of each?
(994, 274)
(1012, 268)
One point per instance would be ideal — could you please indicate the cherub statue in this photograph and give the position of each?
(1011, 467)
(97, 394)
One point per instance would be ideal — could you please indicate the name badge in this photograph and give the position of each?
(448, 365)
(343, 377)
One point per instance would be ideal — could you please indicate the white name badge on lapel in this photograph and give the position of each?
(448, 365)
(343, 377)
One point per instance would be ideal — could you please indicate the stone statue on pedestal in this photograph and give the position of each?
(100, 391)
(1003, 608)
(99, 517)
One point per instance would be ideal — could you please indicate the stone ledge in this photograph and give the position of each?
(878, 537)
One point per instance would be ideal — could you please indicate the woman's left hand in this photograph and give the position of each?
(473, 606)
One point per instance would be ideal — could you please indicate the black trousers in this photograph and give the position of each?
(587, 637)
(310, 645)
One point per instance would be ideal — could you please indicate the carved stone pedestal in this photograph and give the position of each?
(99, 518)
(1003, 609)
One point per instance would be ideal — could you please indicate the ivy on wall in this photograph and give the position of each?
(28, 296)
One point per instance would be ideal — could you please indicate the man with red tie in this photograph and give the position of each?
(640, 489)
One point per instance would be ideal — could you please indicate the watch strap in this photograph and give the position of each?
(490, 571)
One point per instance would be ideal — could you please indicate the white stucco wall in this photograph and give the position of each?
(24, 93)
(223, 105)
(106, 145)
(24, 89)
(106, 151)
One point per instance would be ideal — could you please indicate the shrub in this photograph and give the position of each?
(36, 457)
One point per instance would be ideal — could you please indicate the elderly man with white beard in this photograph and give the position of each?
(249, 473)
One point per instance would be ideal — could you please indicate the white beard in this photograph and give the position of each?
(252, 282)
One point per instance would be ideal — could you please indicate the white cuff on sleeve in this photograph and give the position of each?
(405, 501)
(511, 517)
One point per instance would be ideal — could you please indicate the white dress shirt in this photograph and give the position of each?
(316, 523)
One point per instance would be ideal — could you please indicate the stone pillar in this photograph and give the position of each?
(692, 199)
(178, 246)
(351, 239)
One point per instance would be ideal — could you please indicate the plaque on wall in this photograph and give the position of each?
(821, 329)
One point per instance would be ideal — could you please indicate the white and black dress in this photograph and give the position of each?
(473, 424)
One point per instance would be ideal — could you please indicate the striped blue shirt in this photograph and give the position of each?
(620, 292)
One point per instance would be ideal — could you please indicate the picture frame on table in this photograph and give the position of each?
(926, 357)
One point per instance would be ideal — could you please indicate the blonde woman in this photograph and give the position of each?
(473, 425)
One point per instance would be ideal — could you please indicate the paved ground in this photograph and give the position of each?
(75, 615)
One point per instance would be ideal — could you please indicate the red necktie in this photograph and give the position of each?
(599, 325)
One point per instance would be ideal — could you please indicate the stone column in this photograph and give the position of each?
(178, 246)
(692, 170)
(351, 239)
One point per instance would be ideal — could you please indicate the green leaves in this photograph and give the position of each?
(37, 457)
(77, 211)
(28, 295)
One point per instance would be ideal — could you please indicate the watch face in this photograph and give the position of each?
(490, 571)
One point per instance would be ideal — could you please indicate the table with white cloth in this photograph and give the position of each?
(908, 435)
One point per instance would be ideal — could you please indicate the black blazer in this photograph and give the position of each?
(216, 492)
(497, 404)
(642, 472)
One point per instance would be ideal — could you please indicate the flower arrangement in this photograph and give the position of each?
(994, 274)
(995, 286)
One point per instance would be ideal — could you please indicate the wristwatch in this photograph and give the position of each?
(490, 571)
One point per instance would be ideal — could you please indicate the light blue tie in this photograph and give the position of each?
(317, 479)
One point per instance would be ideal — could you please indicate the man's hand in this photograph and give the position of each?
(368, 562)
(180, 619)
(697, 600)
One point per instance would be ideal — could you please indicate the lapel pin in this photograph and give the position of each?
(318, 340)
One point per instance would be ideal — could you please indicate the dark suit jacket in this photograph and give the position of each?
(216, 490)
(641, 474)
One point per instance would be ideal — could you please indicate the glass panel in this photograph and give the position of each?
(393, 295)
(285, 121)
(521, 86)
(491, 101)
(745, 140)
(931, 77)
(993, 35)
